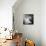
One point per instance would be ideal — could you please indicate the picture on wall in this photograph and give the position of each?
(13, 22)
(28, 19)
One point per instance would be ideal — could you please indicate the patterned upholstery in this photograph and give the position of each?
(29, 43)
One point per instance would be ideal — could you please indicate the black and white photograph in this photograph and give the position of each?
(28, 19)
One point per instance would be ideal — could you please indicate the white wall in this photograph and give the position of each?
(29, 31)
(6, 13)
(43, 22)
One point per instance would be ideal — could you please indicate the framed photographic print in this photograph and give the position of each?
(28, 19)
(13, 22)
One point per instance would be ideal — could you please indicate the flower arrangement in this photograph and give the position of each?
(4, 32)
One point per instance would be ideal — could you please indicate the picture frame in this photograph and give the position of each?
(28, 19)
